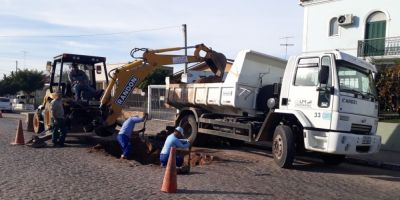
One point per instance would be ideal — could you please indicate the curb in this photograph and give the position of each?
(373, 163)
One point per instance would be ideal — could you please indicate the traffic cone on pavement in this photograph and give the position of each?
(19, 137)
(170, 180)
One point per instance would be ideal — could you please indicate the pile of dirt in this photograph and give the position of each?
(201, 159)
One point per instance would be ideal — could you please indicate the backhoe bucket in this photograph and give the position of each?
(217, 63)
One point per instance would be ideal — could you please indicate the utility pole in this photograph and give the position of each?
(16, 65)
(185, 41)
(286, 44)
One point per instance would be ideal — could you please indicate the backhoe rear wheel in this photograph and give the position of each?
(283, 148)
(38, 126)
(105, 131)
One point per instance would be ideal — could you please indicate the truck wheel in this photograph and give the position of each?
(38, 126)
(283, 148)
(332, 159)
(189, 125)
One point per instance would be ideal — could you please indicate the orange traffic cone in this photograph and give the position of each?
(19, 138)
(170, 181)
(1, 114)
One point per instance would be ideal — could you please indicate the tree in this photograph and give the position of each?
(8, 85)
(156, 78)
(388, 86)
(26, 81)
(29, 81)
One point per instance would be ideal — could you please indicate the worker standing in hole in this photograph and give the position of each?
(125, 133)
(174, 140)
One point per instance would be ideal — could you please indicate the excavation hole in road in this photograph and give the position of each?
(147, 150)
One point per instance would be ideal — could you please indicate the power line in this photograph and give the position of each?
(90, 35)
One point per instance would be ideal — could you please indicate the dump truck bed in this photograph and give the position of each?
(237, 93)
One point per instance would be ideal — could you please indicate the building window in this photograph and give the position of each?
(333, 27)
(375, 33)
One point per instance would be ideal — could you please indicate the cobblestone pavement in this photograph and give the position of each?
(74, 173)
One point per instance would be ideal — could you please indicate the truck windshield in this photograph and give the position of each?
(354, 80)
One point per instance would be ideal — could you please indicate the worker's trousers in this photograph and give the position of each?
(164, 160)
(59, 131)
(125, 144)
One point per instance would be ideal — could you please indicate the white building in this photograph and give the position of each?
(363, 28)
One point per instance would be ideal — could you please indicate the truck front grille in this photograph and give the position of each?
(361, 129)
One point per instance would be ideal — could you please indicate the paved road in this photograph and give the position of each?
(74, 173)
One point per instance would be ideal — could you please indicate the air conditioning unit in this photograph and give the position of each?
(344, 20)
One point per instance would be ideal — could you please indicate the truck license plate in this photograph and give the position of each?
(366, 140)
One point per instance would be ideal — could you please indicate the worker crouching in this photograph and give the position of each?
(174, 140)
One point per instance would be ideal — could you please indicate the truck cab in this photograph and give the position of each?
(334, 96)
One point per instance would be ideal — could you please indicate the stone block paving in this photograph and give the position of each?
(247, 173)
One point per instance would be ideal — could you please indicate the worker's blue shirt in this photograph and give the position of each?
(173, 141)
(129, 125)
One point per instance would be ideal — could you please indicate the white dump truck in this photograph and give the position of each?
(320, 102)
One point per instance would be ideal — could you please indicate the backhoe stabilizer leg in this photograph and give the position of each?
(39, 141)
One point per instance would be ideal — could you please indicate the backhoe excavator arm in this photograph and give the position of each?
(127, 77)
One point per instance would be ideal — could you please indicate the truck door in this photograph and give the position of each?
(308, 95)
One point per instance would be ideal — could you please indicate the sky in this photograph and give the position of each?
(33, 32)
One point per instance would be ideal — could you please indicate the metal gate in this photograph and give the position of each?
(156, 106)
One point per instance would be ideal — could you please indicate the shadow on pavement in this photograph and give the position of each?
(392, 179)
(346, 169)
(188, 191)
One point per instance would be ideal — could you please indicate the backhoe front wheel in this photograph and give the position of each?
(38, 125)
(283, 148)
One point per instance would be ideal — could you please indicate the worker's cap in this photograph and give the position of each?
(180, 130)
(74, 65)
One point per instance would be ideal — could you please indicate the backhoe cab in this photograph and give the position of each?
(79, 113)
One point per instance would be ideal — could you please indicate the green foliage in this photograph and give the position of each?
(27, 81)
(156, 78)
(8, 85)
(388, 85)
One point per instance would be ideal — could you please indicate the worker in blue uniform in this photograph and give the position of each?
(174, 140)
(125, 133)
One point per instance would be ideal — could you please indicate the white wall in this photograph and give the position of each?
(317, 17)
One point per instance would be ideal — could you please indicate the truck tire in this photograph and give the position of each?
(332, 159)
(189, 125)
(283, 148)
(38, 126)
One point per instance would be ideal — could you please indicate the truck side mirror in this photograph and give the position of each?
(98, 69)
(323, 75)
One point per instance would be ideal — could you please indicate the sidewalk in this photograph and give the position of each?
(383, 159)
